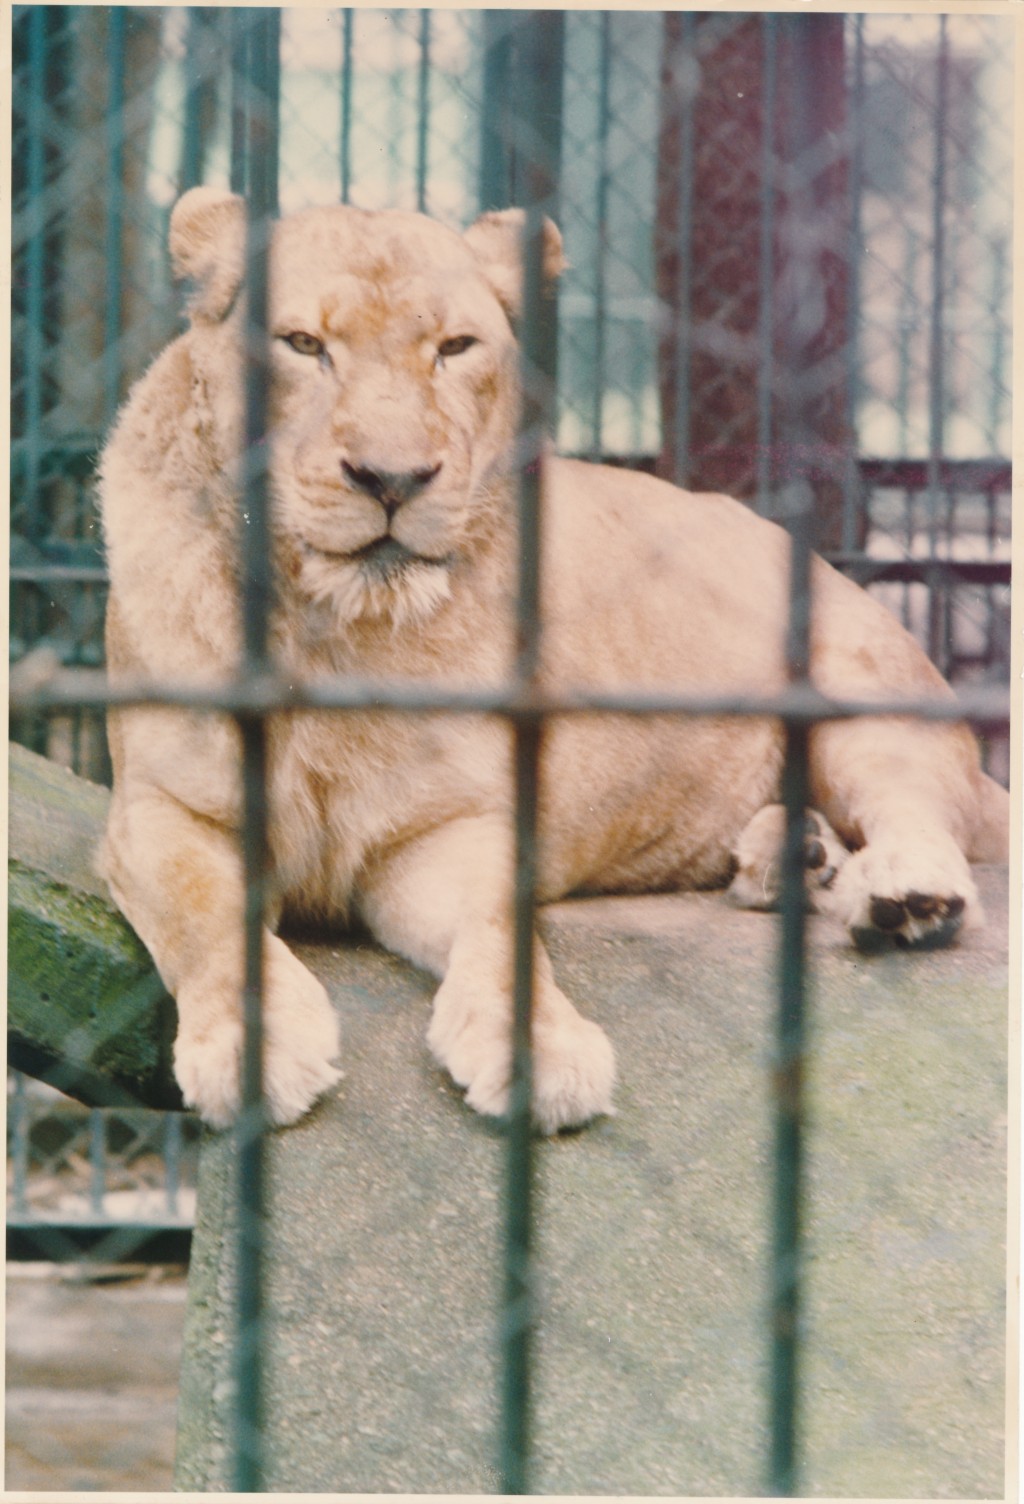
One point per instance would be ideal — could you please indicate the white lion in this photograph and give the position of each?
(393, 413)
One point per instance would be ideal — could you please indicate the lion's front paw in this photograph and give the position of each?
(573, 1062)
(303, 1038)
(573, 1074)
(917, 900)
(300, 1045)
(207, 1063)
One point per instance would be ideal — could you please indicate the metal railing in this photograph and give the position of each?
(523, 63)
(107, 1184)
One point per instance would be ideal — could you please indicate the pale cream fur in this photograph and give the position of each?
(397, 411)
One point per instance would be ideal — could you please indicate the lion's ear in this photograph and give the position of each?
(207, 243)
(496, 240)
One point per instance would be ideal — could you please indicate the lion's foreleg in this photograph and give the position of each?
(178, 879)
(444, 901)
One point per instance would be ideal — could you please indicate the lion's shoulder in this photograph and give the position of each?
(639, 510)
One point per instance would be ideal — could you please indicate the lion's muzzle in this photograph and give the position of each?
(391, 488)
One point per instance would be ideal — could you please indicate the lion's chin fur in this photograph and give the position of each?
(406, 597)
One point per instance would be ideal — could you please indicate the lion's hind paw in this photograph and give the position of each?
(916, 921)
(758, 852)
(893, 901)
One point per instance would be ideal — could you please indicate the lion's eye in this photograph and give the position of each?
(304, 344)
(457, 345)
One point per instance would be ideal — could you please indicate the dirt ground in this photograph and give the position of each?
(92, 1377)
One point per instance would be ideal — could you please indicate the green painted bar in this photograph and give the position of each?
(255, 96)
(538, 65)
(115, 209)
(423, 113)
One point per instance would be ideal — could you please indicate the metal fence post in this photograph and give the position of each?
(766, 264)
(345, 144)
(423, 112)
(115, 214)
(254, 166)
(601, 254)
(36, 271)
(853, 524)
(538, 71)
(799, 289)
(937, 646)
(495, 190)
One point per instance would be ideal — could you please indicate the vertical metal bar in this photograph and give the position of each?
(495, 143)
(903, 338)
(539, 97)
(936, 352)
(392, 129)
(991, 615)
(255, 135)
(115, 213)
(853, 523)
(195, 85)
(20, 1145)
(346, 106)
(77, 720)
(800, 272)
(35, 272)
(997, 390)
(766, 264)
(172, 1160)
(423, 112)
(97, 1161)
(683, 313)
(601, 255)
(240, 50)
(946, 588)
(788, 1094)
(909, 542)
(517, 1315)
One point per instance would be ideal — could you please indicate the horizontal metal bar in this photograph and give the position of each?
(262, 694)
(956, 475)
(58, 574)
(80, 446)
(30, 1241)
(926, 571)
(986, 475)
(923, 571)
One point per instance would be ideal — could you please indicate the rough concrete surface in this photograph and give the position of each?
(92, 1378)
(383, 1274)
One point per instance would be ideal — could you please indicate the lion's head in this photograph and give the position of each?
(394, 390)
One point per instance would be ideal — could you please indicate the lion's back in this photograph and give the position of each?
(657, 586)
(654, 585)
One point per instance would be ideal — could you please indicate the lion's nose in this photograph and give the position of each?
(392, 488)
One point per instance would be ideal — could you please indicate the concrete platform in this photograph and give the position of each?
(383, 1274)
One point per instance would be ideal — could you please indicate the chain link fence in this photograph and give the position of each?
(675, 203)
(666, 358)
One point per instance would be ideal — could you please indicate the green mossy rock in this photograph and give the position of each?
(86, 1010)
